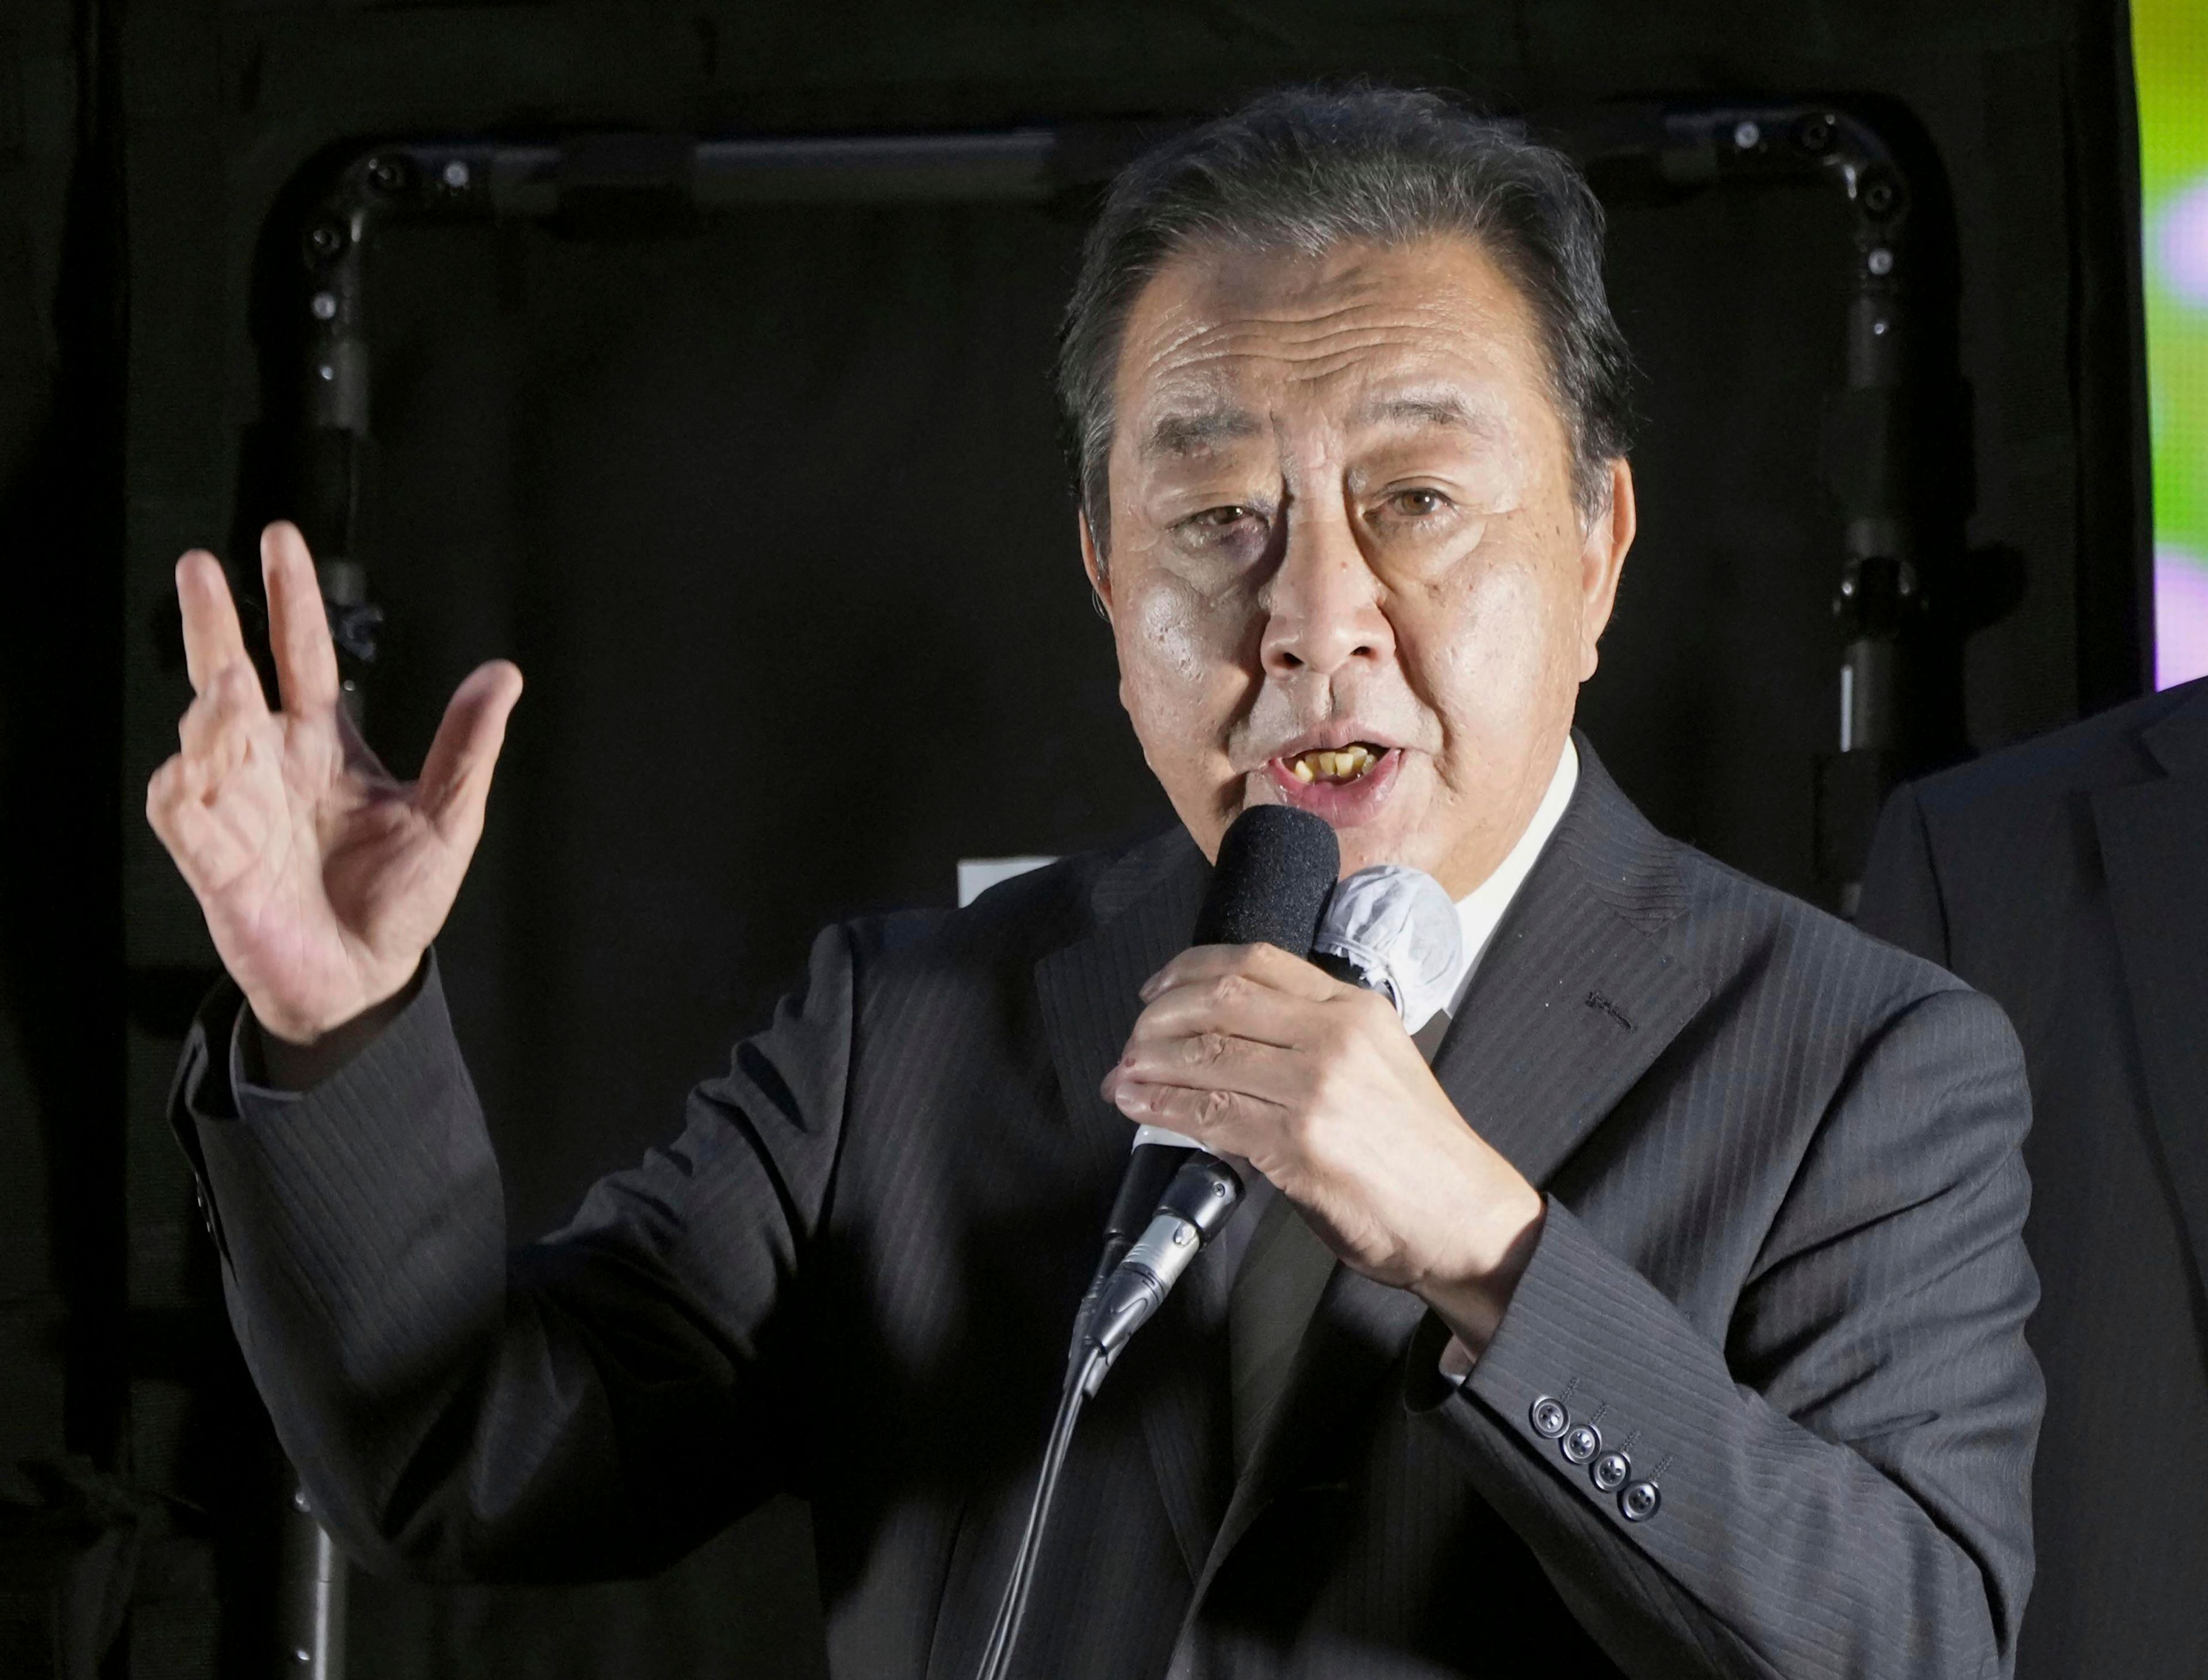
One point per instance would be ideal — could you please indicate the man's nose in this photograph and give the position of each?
(1323, 605)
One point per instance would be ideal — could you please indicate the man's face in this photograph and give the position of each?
(1345, 569)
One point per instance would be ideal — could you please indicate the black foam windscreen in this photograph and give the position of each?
(1275, 871)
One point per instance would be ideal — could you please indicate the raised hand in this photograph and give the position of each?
(323, 878)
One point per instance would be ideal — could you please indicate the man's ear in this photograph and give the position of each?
(1602, 562)
(1092, 562)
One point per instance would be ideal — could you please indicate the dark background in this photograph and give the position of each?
(771, 512)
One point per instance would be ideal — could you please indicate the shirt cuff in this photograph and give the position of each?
(1455, 1363)
(242, 1066)
(1437, 1367)
(247, 1062)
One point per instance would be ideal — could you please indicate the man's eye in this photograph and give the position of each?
(1416, 503)
(1215, 523)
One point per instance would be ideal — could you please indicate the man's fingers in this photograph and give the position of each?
(168, 787)
(1268, 965)
(456, 774)
(1234, 1003)
(181, 800)
(212, 638)
(168, 790)
(207, 851)
(298, 624)
(213, 730)
(1217, 1062)
(1221, 1120)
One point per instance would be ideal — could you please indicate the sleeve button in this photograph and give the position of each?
(1639, 1501)
(1610, 1471)
(1550, 1418)
(1582, 1443)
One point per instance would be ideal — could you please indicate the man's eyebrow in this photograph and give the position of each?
(1191, 430)
(1422, 408)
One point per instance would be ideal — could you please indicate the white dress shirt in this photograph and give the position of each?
(1479, 911)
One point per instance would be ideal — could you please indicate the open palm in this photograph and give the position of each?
(322, 877)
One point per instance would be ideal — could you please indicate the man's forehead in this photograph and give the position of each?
(1223, 346)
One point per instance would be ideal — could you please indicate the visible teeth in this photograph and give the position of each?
(1334, 763)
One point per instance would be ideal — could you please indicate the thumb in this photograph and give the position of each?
(455, 778)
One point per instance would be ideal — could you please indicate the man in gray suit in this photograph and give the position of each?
(1668, 1323)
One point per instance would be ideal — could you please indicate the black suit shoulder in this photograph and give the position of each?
(950, 1039)
(2106, 750)
(1971, 866)
(999, 939)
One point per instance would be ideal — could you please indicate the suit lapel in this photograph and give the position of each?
(1577, 995)
(1580, 990)
(2154, 846)
(1143, 909)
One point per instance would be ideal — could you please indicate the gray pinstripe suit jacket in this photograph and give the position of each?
(1782, 1271)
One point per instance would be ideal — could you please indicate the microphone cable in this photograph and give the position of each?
(1083, 1378)
(1201, 1196)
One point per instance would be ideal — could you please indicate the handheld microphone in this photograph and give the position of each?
(1389, 928)
(1276, 867)
(1275, 872)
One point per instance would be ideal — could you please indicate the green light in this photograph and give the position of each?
(2170, 39)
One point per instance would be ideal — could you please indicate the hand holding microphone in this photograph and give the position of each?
(1247, 1048)
(1248, 1051)
(1270, 886)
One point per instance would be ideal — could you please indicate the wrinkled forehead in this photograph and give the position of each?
(1224, 345)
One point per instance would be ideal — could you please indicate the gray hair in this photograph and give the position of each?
(1304, 169)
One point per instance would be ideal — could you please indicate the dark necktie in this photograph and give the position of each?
(1283, 1272)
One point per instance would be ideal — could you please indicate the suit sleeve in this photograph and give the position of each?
(1901, 901)
(1843, 1489)
(595, 1404)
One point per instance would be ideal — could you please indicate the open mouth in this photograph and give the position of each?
(1337, 764)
